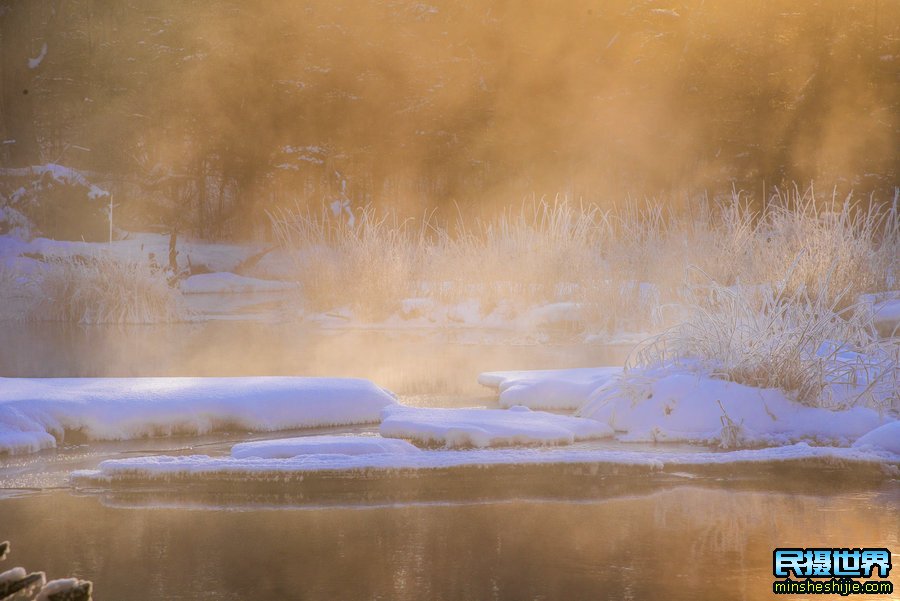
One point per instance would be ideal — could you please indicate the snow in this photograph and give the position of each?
(12, 575)
(65, 175)
(34, 413)
(331, 445)
(229, 283)
(887, 316)
(885, 310)
(34, 63)
(885, 438)
(411, 308)
(560, 315)
(487, 427)
(55, 587)
(662, 405)
(204, 466)
(548, 389)
(218, 257)
(686, 407)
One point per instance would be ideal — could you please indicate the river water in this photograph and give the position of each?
(513, 533)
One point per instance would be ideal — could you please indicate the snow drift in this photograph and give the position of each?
(548, 389)
(696, 408)
(35, 413)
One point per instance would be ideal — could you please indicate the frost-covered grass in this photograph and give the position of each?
(802, 341)
(855, 245)
(369, 263)
(102, 289)
(632, 267)
(541, 252)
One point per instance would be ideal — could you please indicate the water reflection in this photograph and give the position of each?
(667, 544)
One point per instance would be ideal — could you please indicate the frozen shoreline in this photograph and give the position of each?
(204, 466)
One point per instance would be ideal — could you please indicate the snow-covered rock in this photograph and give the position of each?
(487, 427)
(284, 448)
(548, 389)
(34, 413)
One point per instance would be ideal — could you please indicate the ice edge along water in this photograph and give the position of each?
(36, 413)
(517, 425)
(203, 466)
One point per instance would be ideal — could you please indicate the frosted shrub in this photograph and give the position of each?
(771, 337)
(100, 289)
(626, 267)
(799, 242)
(370, 263)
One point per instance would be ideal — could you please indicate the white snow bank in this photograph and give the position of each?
(229, 283)
(35, 412)
(548, 389)
(885, 438)
(163, 467)
(686, 407)
(13, 575)
(311, 445)
(487, 427)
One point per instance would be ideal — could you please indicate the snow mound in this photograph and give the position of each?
(487, 427)
(203, 466)
(229, 283)
(548, 389)
(285, 448)
(34, 413)
(696, 408)
(885, 438)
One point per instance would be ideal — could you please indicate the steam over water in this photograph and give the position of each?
(204, 114)
(374, 157)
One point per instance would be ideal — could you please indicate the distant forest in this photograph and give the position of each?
(203, 114)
